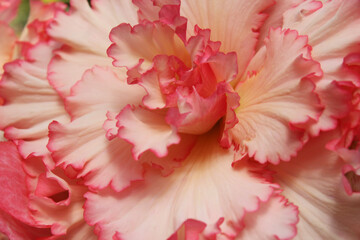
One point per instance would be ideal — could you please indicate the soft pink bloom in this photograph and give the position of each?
(169, 119)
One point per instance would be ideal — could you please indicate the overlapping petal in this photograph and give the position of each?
(276, 94)
(331, 28)
(154, 39)
(85, 33)
(232, 22)
(312, 181)
(206, 188)
(151, 87)
(100, 91)
(274, 17)
(30, 102)
(276, 218)
(55, 200)
(146, 130)
(16, 219)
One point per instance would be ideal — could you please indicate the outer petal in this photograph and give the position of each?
(69, 64)
(16, 220)
(8, 10)
(312, 181)
(207, 188)
(331, 27)
(232, 22)
(86, 45)
(56, 200)
(275, 97)
(30, 102)
(99, 161)
(14, 192)
(275, 219)
(99, 91)
(16, 230)
(90, 26)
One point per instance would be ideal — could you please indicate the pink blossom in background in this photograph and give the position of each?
(169, 119)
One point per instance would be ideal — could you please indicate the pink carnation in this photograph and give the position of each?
(181, 119)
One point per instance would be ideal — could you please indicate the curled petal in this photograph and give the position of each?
(56, 200)
(136, 123)
(154, 39)
(195, 114)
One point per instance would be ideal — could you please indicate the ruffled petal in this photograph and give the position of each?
(135, 123)
(336, 99)
(101, 90)
(90, 26)
(69, 64)
(30, 102)
(206, 188)
(232, 22)
(275, 218)
(312, 181)
(106, 162)
(154, 38)
(55, 200)
(330, 26)
(275, 95)
(197, 115)
(275, 17)
(332, 30)
(86, 45)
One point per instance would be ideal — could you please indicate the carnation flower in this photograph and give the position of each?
(169, 119)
